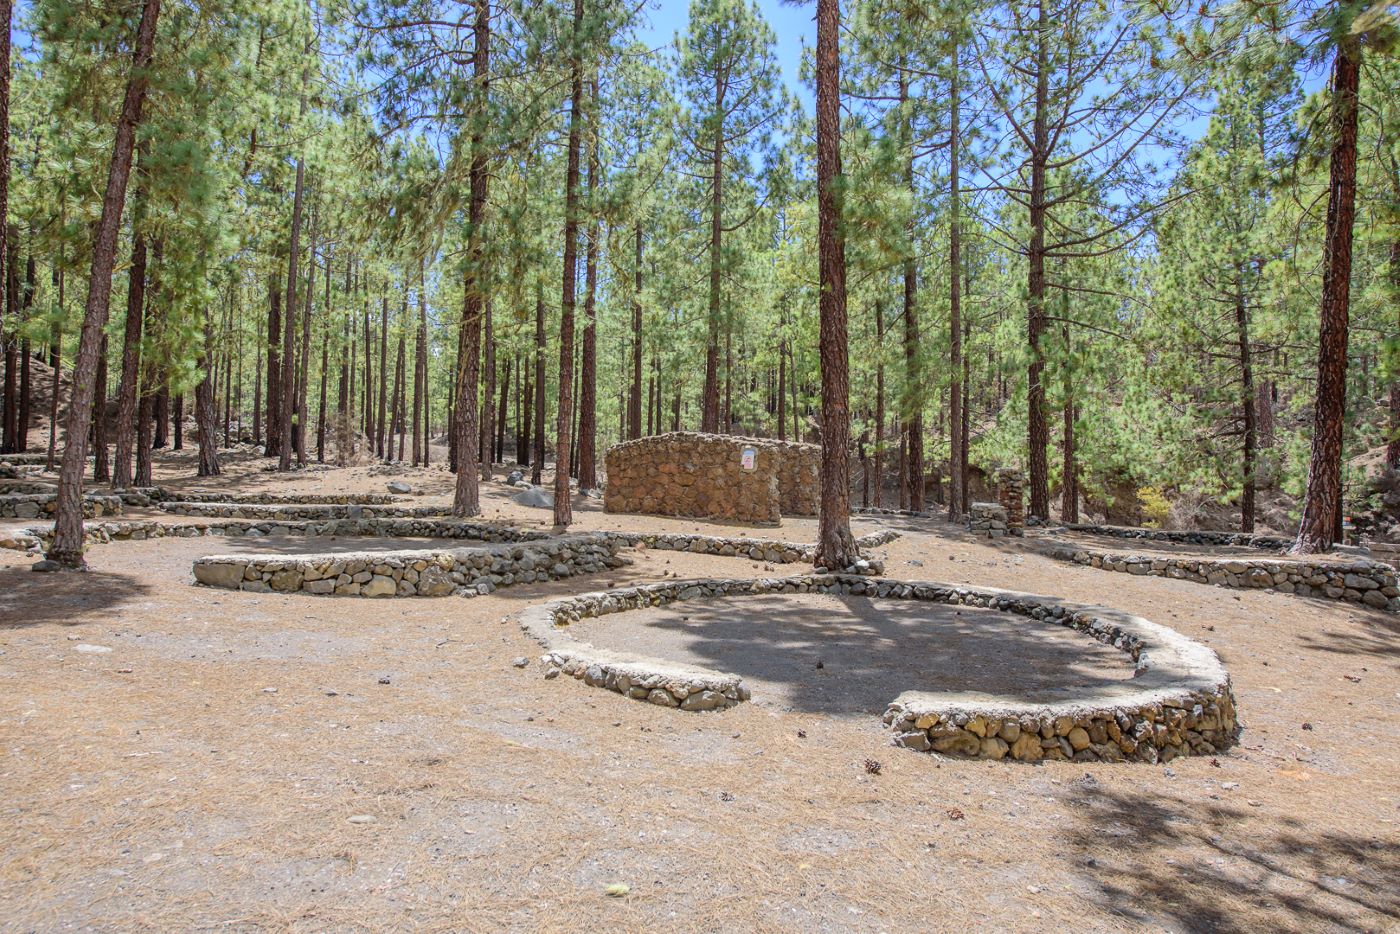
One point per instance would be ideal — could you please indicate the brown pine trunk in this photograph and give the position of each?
(502, 411)
(537, 456)
(634, 397)
(131, 338)
(588, 378)
(146, 410)
(101, 467)
(912, 443)
(1322, 503)
(1037, 432)
(273, 393)
(709, 400)
(563, 502)
(67, 545)
(289, 333)
(880, 414)
(1392, 450)
(7, 237)
(836, 549)
(488, 392)
(380, 425)
(1250, 440)
(466, 500)
(303, 377)
(956, 506)
(205, 413)
(26, 398)
(9, 328)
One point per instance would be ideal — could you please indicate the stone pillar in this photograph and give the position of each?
(1010, 495)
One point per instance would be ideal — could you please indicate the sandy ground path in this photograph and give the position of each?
(272, 762)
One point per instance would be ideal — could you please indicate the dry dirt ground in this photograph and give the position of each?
(238, 761)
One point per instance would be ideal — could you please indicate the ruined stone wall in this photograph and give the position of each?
(700, 475)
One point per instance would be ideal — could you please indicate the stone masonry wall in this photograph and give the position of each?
(39, 505)
(299, 510)
(419, 572)
(700, 475)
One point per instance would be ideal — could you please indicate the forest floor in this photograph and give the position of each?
(178, 758)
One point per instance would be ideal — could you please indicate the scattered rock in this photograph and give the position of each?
(46, 566)
(400, 487)
(520, 661)
(91, 649)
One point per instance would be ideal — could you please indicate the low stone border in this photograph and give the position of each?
(293, 511)
(423, 573)
(30, 458)
(12, 487)
(1356, 581)
(1179, 702)
(101, 533)
(35, 505)
(271, 499)
(475, 570)
(1182, 536)
(882, 511)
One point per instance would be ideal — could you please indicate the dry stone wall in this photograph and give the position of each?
(701, 475)
(1359, 581)
(1182, 536)
(299, 510)
(38, 505)
(422, 573)
(265, 499)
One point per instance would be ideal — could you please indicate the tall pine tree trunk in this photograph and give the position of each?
(956, 507)
(205, 413)
(1249, 442)
(709, 400)
(1037, 432)
(289, 333)
(67, 546)
(563, 502)
(466, 499)
(131, 337)
(537, 454)
(836, 549)
(1322, 502)
(273, 394)
(588, 378)
(634, 396)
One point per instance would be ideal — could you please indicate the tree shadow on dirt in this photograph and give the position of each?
(66, 597)
(850, 655)
(1366, 633)
(1207, 866)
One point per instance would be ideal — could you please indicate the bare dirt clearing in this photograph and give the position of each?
(266, 761)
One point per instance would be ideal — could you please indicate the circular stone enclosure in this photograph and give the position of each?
(985, 673)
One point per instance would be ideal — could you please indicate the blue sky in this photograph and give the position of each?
(793, 25)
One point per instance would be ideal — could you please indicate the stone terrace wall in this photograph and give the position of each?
(266, 499)
(101, 533)
(463, 571)
(1182, 536)
(699, 475)
(36, 505)
(300, 510)
(1358, 581)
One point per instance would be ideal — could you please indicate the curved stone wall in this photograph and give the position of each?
(701, 475)
(1179, 703)
(36, 505)
(1354, 581)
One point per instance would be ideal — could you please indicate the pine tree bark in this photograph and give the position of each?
(383, 408)
(709, 401)
(205, 413)
(634, 397)
(26, 398)
(129, 386)
(289, 333)
(1037, 431)
(956, 507)
(101, 467)
(1322, 503)
(912, 477)
(563, 501)
(836, 549)
(588, 378)
(1392, 449)
(273, 393)
(488, 391)
(303, 377)
(466, 499)
(537, 456)
(1249, 442)
(67, 546)
(6, 238)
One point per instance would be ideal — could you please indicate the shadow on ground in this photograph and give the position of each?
(1206, 866)
(65, 597)
(853, 655)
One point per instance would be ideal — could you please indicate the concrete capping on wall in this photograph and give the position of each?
(1179, 703)
(300, 511)
(418, 572)
(1358, 581)
(1182, 536)
(36, 505)
(700, 475)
